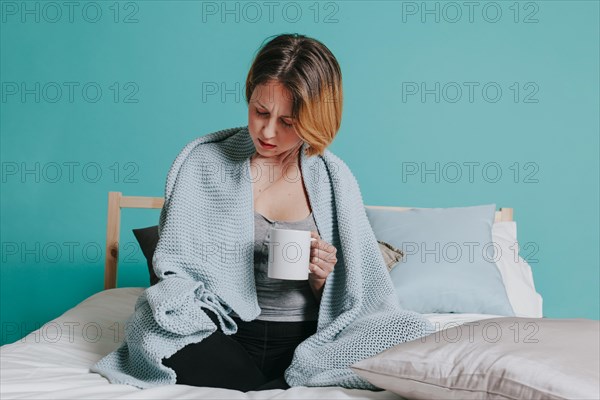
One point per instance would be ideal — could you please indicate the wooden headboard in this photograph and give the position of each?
(116, 201)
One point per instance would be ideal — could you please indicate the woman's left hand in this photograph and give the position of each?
(322, 258)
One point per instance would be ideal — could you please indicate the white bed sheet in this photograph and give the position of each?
(54, 361)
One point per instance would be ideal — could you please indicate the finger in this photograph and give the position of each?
(323, 264)
(317, 271)
(315, 234)
(323, 245)
(323, 254)
(320, 247)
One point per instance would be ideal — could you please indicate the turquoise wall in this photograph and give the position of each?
(102, 96)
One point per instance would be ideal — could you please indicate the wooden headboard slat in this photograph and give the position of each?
(141, 202)
(113, 229)
(116, 201)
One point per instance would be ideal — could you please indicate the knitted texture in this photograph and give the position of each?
(204, 259)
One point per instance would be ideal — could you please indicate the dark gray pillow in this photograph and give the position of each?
(148, 239)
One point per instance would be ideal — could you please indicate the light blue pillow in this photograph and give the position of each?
(448, 264)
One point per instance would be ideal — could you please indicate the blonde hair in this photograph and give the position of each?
(311, 73)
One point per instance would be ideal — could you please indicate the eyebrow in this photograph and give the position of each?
(262, 105)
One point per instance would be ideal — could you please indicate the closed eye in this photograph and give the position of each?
(282, 121)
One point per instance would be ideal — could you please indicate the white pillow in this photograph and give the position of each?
(516, 273)
(498, 358)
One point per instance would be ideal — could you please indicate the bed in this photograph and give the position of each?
(54, 361)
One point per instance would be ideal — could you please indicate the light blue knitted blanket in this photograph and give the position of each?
(205, 259)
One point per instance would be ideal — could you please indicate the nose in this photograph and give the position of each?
(269, 129)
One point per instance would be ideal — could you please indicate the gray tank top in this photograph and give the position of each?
(280, 299)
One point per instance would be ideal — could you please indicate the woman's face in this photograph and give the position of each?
(270, 121)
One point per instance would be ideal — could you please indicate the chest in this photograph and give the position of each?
(279, 196)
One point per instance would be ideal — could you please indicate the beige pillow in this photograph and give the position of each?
(391, 255)
(495, 358)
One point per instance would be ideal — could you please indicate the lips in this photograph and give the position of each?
(266, 145)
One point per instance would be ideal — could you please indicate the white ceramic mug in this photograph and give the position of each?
(289, 254)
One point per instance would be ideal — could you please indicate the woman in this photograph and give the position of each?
(214, 318)
(294, 95)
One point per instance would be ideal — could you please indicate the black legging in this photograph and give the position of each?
(254, 358)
